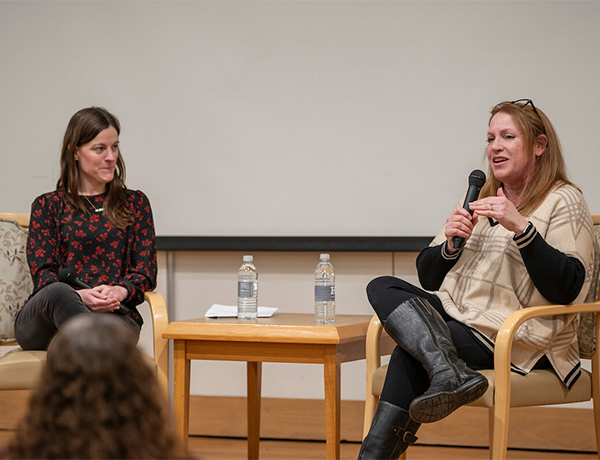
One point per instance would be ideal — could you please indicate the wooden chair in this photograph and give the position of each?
(20, 370)
(506, 390)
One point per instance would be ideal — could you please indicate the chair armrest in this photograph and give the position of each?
(508, 330)
(21, 218)
(160, 321)
(503, 350)
(373, 349)
(9, 343)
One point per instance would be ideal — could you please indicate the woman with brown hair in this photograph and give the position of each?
(92, 230)
(97, 398)
(529, 242)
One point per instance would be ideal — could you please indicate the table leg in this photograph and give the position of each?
(254, 390)
(332, 402)
(181, 394)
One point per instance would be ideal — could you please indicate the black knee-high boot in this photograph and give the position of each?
(392, 431)
(420, 330)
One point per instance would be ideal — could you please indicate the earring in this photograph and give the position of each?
(538, 158)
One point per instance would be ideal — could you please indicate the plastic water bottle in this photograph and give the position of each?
(324, 291)
(247, 305)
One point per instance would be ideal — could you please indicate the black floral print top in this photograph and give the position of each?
(62, 236)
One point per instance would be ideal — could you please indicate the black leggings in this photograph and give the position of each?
(45, 313)
(406, 378)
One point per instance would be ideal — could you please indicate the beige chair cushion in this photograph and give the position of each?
(537, 388)
(15, 278)
(20, 370)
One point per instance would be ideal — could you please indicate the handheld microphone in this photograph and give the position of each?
(67, 276)
(476, 180)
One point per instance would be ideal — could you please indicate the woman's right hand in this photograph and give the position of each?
(98, 302)
(459, 224)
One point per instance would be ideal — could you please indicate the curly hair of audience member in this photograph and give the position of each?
(97, 398)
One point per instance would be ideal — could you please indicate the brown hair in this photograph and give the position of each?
(551, 169)
(83, 127)
(97, 398)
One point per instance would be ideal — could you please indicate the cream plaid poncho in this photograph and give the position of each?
(490, 281)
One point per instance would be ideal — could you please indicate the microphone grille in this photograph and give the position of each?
(65, 275)
(477, 178)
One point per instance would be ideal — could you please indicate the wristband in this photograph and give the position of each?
(527, 229)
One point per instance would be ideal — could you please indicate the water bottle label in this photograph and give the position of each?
(245, 289)
(324, 293)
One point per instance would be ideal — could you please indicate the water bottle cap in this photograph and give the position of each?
(325, 256)
(248, 258)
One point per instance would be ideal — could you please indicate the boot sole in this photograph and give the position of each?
(431, 408)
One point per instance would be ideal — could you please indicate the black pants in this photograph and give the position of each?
(46, 312)
(406, 378)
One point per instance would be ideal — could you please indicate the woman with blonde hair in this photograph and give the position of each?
(97, 398)
(528, 242)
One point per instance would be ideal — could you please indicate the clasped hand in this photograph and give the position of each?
(103, 298)
(460, 223)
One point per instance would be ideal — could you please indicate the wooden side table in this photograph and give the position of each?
(283, 338)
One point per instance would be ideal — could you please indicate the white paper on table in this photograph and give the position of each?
(230, 311)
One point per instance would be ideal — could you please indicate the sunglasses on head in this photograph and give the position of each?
(524, 103)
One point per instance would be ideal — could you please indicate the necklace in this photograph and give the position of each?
(92, 204)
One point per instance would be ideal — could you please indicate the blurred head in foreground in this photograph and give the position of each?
(97, 398)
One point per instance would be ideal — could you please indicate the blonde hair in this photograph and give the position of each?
(551, 169)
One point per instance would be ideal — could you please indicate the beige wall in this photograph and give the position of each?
(334, 112)
(373, 97)
(285, 282)
(204, 278)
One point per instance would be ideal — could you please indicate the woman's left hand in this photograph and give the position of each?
(503, 210)
(112, 291)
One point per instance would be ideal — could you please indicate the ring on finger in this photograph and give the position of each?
(491, 207)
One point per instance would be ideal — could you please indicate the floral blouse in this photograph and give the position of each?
(62, 236)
